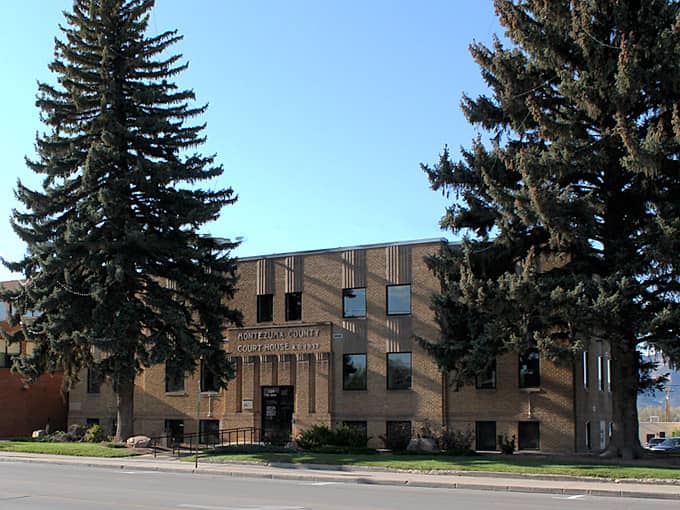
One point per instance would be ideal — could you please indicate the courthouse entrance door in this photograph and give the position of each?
(277, 413)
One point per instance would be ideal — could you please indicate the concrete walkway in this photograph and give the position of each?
(565, 485)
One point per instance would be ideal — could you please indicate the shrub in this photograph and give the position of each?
(95, 434)
(315, 437)
(398, 439)
(507, 445)
(457, 442)
(76, 432)
(350, 437)
(59, 436)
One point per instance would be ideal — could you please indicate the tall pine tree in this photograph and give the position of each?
(569, 210)
(115, 261)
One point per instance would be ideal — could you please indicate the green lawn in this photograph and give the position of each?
(79, 449)
(497, 463)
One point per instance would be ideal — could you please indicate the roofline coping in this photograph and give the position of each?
(345, 248)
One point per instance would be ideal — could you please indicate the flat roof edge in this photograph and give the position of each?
(345, 248)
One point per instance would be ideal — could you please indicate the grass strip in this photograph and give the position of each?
(77, 449)
(485, 463)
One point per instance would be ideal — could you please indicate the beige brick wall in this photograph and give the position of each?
(317, 376)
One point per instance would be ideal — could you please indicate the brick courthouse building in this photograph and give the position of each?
(328, 338)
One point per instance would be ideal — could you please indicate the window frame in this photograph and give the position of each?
(387, 299)
(481, 385)
(288, 307)
(204, 377)
(260, 317)
(522, 383)
(389, 380)
(478, 425)
(345, 291)
(168, 380)
(344, 375)
(585, 367)
(94, 381)
(522, 424)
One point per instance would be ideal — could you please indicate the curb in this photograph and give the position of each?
(329, 476)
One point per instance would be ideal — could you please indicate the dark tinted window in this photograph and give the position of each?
(529, 435)
(209, 431)
(209, 380)
(174, 429)
(174, 379)
(529, 369)
(354, 302)
(398, 435)
(359, 426)
(398, 370)
(485, 435)
(91, 421)
(354, 372)
(294, 306)
(94, 380)
(487, 379)
(265, 308)
(398, 299)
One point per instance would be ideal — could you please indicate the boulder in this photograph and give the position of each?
(138, 442)
(38, 434)
(422, 444)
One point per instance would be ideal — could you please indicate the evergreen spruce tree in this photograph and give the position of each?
(115, 262)
(569, 210)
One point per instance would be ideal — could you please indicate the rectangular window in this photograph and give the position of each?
(209, 431)
(94, 380)
(294, 306)
(487, 379)
(603, 434)
(174, 430)
(609, 374)
(209, 382)
(354, 372)
(529, 435)
(398, 370)
(398, 299)
(359, 426)
(529, 369)
(174, 379)
(3, 311)
(485, 436)
(600, 373)
(585, 369)
(265, 308)
(353, 303)
(91, 421)
(587, 437)
(398, 435)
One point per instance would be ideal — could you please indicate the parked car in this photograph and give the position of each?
(655, 441)
(670, 444)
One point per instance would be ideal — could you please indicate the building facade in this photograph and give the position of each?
(26, 408)
(329, 337)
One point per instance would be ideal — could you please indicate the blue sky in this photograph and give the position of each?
(320, 112)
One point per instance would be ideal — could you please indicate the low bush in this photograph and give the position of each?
(95, 434)
(457, 442)
(320, 438)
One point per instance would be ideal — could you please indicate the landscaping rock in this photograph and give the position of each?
(138, 442)
(38, 434)
(422, 444)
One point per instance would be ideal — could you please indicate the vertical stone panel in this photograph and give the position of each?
(398, 264)
(353, 269)
(355, 336)
(399, 334)
(294, 273)
(265, 277)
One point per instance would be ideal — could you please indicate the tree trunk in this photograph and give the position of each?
(125, 410)
(625, 441)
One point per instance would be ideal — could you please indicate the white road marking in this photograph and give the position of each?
(206, 507)
(319, 484)
(577, 496)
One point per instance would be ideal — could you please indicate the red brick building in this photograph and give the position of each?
(26, 408)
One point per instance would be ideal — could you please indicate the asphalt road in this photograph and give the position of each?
(34, 486)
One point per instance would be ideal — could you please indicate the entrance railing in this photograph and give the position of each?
(195, 442)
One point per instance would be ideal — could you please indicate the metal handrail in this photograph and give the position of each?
(195, 441)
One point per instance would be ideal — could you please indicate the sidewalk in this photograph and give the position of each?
(563, 485)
